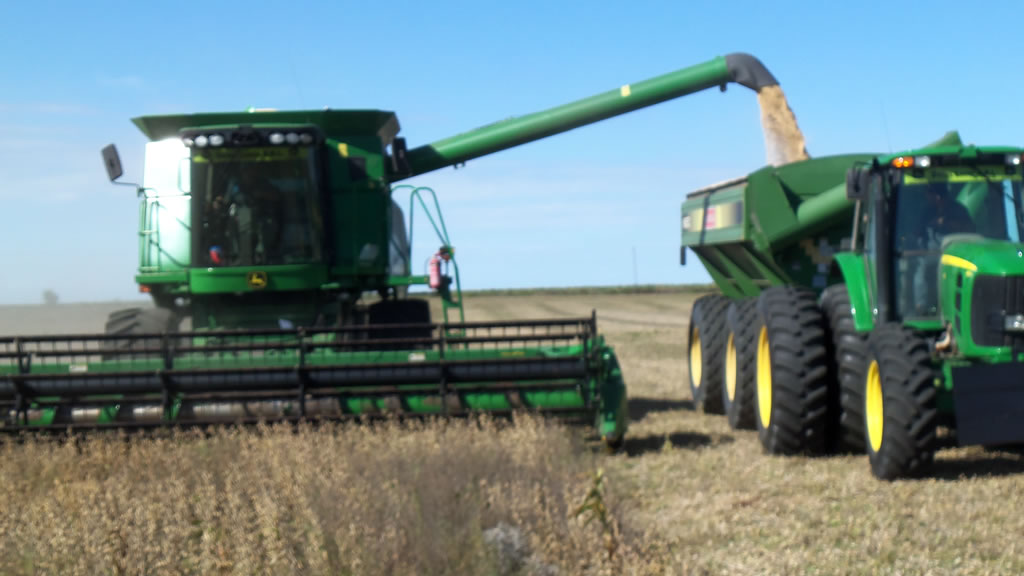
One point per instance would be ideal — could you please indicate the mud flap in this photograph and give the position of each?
(989, 403)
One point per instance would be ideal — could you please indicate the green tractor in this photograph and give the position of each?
(277, 236)
(868, 302)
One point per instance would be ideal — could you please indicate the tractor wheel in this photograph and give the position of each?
(740, 364)
(706, 352)
(791, 388)
(900, 417)
(133, 322)
(848, 349)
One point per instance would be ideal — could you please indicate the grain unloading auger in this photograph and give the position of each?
(276, 234)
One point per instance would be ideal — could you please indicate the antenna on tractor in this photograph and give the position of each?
(885, 127)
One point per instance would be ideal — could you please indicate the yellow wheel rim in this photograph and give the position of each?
(695, 360)
(764, 378)
(874, 414)
(730, 368)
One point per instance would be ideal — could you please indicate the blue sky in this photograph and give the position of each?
(568, 210)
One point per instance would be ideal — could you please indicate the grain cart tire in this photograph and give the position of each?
(706, 352)
(791, 390)
(848, 349)
(900, 416)
(740, 364)
(132, 322)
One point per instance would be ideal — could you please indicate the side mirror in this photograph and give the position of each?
(399, 158)
(856, 183)
(112, 162)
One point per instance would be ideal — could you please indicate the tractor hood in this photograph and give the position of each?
(980, 255)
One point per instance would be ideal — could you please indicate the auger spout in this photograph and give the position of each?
(740, 68)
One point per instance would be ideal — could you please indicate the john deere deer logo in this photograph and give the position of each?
(256, 280)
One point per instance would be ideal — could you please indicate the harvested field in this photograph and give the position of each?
(686, 495)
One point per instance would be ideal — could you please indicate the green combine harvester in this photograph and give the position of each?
(276, 235)
(868, 302)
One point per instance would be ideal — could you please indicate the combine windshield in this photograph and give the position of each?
(257, 206)
(934, 205)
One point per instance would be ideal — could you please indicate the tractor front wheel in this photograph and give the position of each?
(899, 403)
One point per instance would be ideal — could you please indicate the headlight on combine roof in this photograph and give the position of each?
(188, 142)
(292, 138)
(216, 140)
(306, 138)
(276, 138)
(1013, 159)
(201, 141)
(922, 161)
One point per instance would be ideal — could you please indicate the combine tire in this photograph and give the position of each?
(132, 322)
(740, 364)
(411, 311)
(899, 403)
(706, 352)
(791, 388)
(848, 349)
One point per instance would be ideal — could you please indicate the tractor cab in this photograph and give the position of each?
(920, 217)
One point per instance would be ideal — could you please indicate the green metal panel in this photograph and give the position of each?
(793, 218)
(302, 277)
(165, 215)
(852, 267)
(968, 260)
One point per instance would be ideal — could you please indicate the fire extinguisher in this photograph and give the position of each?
(435, 271)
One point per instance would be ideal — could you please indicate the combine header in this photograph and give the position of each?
(275, 234)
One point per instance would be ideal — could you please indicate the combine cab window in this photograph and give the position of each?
(257, 206)
(931, 209)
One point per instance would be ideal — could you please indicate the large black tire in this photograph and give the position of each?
(130, 323)
(411, 311)
(791, 387)
(900, 418)
(847, 351)
(740, 364)
(706, 352)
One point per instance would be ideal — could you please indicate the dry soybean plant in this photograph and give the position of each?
(411, 497)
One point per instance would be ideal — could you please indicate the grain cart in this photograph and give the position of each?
(866, 300)
(277, 235)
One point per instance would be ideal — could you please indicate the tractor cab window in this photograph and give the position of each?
(939, 206)
(256, 206)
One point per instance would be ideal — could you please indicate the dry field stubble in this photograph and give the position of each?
(687, 495)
